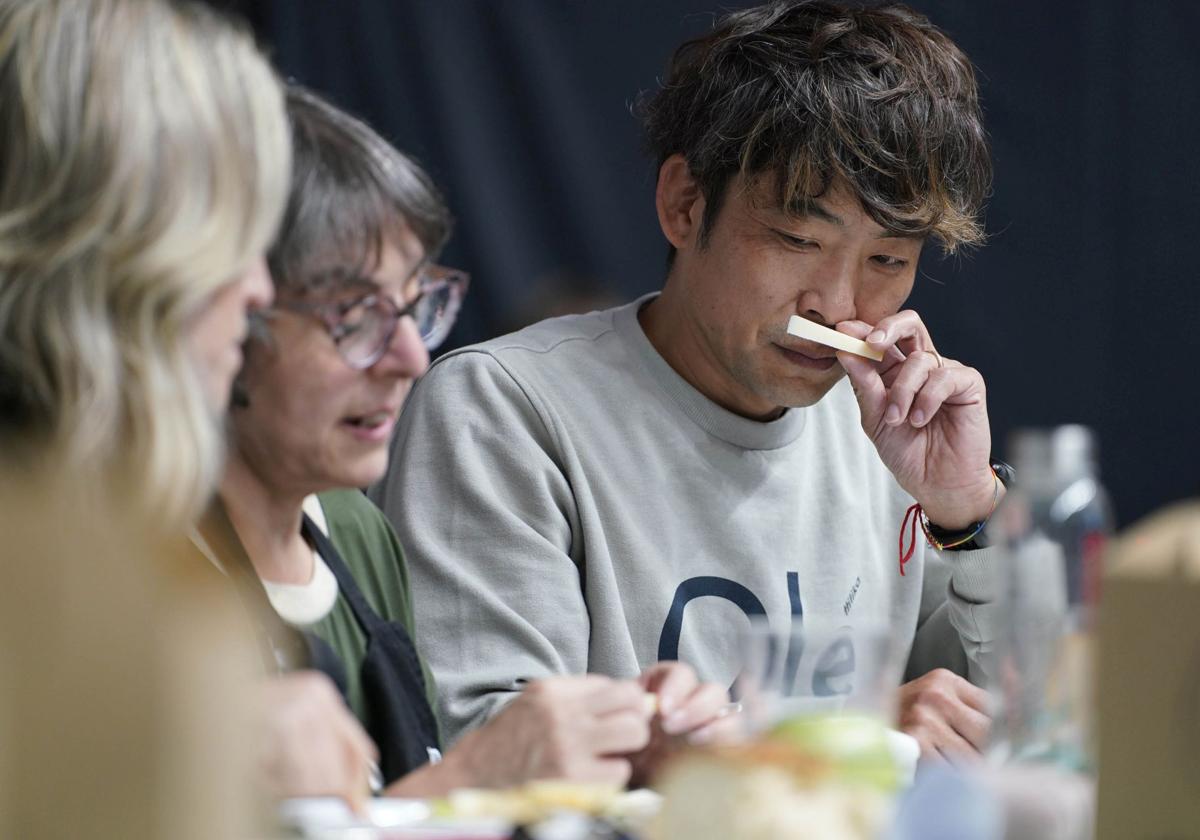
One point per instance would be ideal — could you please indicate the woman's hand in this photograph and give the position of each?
(312, 744)
(578, 728)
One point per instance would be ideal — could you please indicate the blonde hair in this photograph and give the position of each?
(145, 161)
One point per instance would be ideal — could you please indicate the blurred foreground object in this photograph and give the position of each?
(1149, 680)
(539, 809)
(828, 776)
(121, 680)
(1052, 529)
(145, 167)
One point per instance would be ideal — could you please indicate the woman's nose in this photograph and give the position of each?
(405, 354)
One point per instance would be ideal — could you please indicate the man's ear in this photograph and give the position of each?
(680, 203)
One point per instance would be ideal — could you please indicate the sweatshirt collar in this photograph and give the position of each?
(712, 418)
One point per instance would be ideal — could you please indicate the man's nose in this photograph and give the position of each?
(829, 297)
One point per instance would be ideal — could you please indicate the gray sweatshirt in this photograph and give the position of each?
(568, 503)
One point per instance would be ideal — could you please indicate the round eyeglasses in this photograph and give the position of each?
(362, 328)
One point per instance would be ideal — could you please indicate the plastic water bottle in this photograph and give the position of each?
(1069, 505)
(1052, 529)
(948, 804)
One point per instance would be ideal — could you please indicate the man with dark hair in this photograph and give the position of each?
(599, 492)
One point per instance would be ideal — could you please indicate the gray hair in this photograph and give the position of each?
(350, 190)
(146, 159)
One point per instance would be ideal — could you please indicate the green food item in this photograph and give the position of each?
(440, 808)
(855, 745)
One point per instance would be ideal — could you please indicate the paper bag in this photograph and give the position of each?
(1148, 687)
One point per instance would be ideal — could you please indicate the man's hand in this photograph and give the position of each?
(688, 711)
(946, 714)
(578, 728)
(312, 744)
(927, 417)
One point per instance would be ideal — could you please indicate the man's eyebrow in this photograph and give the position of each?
(897, 234)
(810, 208)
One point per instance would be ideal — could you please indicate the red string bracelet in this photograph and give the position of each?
(918, 517)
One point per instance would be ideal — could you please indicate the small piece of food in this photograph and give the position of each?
(650, 703)
(802, 328)
(532, 801)
(856, 746)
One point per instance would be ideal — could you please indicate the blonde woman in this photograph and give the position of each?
(144, 160)
(145, 164)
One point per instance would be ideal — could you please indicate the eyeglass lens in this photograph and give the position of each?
(369, 327)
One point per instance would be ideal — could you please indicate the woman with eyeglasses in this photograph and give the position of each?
(358, 307)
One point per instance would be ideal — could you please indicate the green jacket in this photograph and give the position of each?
(369, 548)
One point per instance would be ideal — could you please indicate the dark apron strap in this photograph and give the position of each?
(394, 690)
(367, 618)
(322, 657)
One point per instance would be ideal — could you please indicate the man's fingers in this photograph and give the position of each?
(951, 707)
(892, 357)
(868, 387)
(946, 714)
(957, 750)
(976, 698)
(972, 725)
(936, 734)
(729, 729)
(672, 682)
(904, 330)
(701, 707)
(949, 385)
(912, 377)
(899, 337)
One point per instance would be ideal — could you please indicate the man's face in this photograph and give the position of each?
(762, 265)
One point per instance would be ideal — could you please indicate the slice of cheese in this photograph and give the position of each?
(802, 328)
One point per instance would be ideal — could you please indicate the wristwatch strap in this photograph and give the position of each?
(1006, 474)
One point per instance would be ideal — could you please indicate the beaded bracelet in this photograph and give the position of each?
(917, 515)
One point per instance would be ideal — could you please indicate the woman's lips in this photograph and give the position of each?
(371, 428)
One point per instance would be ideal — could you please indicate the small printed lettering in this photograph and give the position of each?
(850, 598)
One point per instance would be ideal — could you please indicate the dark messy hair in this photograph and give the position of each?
(812, 93)
(350, 189)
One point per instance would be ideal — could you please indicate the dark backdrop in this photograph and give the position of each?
(1083, 307)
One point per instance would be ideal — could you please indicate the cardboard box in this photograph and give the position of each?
(1148, 686)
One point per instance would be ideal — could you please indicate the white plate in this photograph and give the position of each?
(330, 817)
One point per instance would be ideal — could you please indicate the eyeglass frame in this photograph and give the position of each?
(330, 314)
